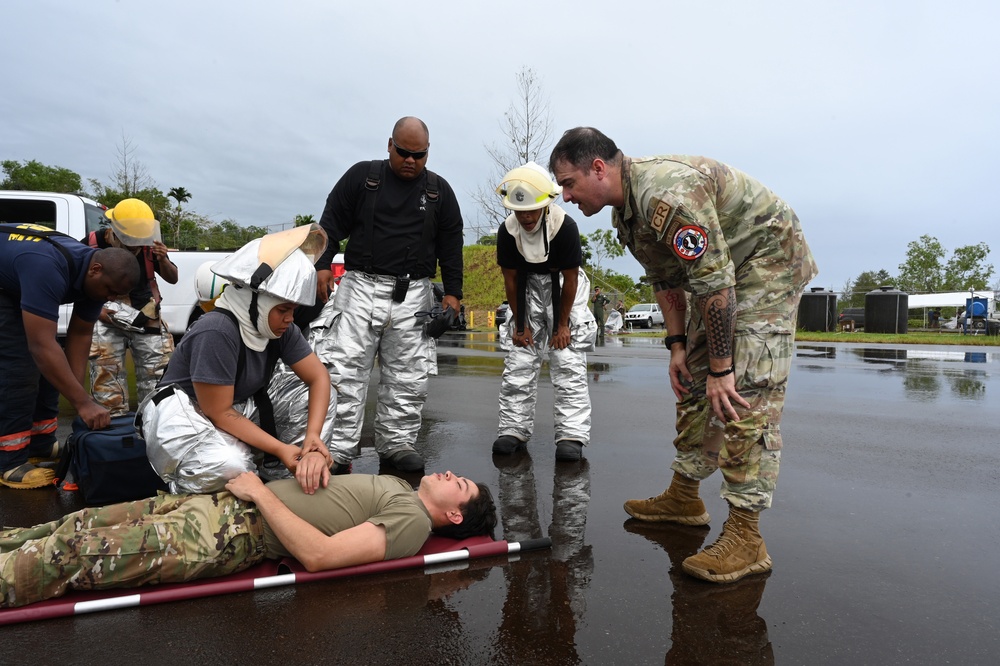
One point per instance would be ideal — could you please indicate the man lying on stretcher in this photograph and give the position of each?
(349, 520)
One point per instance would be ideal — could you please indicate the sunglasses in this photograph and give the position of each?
(406, 154)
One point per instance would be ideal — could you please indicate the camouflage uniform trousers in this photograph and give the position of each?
(108, 375)
(748, 450)
(165, 539)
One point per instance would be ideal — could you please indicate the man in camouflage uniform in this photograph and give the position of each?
(697, 225)
(347, 520)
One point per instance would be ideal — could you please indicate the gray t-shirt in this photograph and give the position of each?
(208, 354)
(352, 499)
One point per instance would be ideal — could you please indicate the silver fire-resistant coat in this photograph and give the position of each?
(365, 322)
(567, 367)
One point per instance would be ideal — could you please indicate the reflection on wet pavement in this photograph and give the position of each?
(924, 373)
(710, 624)
(544, 601)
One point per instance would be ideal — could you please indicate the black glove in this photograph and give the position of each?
(441, 323)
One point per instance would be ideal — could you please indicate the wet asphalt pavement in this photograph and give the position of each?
(884, 535)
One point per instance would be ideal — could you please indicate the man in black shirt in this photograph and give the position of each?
(538, 249)
(401, 220)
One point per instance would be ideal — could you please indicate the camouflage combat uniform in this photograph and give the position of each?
(126, 545)
(700, 225)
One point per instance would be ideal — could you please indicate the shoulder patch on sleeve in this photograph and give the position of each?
(690, 242)
(661, 217)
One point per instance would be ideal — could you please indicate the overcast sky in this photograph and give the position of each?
(877, 121)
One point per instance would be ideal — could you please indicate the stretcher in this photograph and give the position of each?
(271, 573)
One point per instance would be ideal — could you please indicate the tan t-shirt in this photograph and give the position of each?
(352, 499)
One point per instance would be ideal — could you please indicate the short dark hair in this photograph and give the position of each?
(580, 146)
(119, 265)
(479, 517)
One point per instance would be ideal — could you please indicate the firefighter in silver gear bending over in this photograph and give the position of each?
(538, 249)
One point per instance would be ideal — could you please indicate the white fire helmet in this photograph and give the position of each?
(528, 187)
(208, 286)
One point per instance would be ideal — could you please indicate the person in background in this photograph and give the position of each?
(600, 301)
(133, 323)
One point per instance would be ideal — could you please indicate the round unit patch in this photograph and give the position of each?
(690, 242)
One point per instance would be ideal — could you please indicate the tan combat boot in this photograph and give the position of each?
(738, 551)
(677, 504)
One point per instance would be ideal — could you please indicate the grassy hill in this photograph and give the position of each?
(483, 284)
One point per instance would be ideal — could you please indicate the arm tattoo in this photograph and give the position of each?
(677, 301)
(719, 312)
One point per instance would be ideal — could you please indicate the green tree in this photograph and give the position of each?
(923, 270)
(175, 220)
(180, 195)
(865, 282)
(33, 175)
(926, 271)
(489, 239)
(620, 286)
(966, 269)
(605, 245)
(303, 220)
(585, 250)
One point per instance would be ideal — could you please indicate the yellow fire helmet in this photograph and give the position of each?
(528, 187)
(133, 223)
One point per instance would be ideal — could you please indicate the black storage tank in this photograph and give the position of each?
(818, 310)
(885, 310)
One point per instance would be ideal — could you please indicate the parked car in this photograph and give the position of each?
(460, 324)
(855, 314)
(644, 315)
(501, 314)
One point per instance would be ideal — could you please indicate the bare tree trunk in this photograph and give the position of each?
(527, 131)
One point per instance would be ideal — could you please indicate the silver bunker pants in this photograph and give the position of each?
(188, 452)
(366, 323)
(567, 367)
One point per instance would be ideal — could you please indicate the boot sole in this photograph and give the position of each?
(19, 485)
(756, 568)
(661, 518)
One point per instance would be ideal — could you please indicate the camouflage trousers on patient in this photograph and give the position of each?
(748, 450)
(166, 539)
